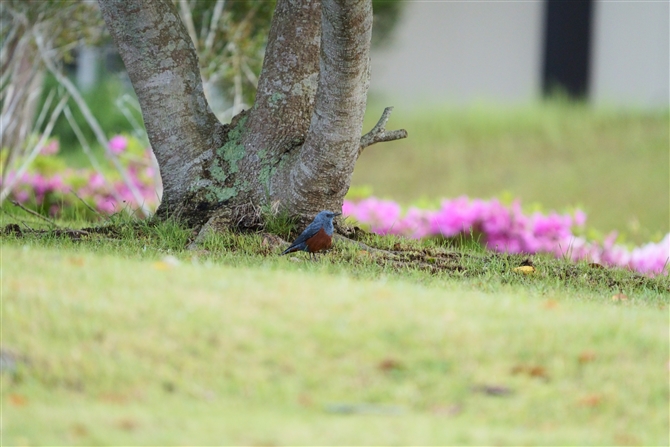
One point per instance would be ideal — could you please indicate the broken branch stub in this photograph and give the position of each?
(378, 134)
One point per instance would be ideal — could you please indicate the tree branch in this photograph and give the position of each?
(378, 134)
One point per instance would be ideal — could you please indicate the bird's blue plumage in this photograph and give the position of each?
(322, 220)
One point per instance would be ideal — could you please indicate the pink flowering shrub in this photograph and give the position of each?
(118, 144)
(49, 185)
(508, 229)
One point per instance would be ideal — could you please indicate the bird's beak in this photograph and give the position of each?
(337, 214)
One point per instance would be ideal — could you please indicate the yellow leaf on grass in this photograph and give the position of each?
(160, 265)
(166, 263)
(525, 269)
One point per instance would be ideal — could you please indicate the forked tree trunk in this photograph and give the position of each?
(296, 148)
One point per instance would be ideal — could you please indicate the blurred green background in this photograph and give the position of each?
(556, 154)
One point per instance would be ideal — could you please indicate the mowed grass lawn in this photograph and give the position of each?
(103, 348)
(614, 164)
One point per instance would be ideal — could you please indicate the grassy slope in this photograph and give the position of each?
(614, 164)
(125, 350)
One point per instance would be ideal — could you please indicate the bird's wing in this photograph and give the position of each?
(310, 231)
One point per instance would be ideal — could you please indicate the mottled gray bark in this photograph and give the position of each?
(163, 68)
(279, 120)
(321, 174)
(296, 148)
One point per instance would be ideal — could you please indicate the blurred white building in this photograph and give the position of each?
(460, 51)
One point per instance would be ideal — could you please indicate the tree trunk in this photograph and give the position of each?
(163, 67)
(295, 149)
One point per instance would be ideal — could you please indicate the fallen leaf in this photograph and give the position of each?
(619, 297)
(592, 400)
(305, 400)
(586, 357)
(79, 430)
(595, 265)
(626, 439)
(390, 364)
(538, 371)
(531, 371)
(77, 261)
(525, 269)
(550, 304)
(160, 265)
(127, 424)
(114, 398)
(17, 400)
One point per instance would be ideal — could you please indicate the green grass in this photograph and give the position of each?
(613, 163)
(127, 338)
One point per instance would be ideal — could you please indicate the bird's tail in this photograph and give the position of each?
(287, 251)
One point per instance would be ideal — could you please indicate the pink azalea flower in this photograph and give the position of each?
(96, 181)
(118, 144)
(21, 196)
(52, 147)
(580, 218)
(56, 183)
(348, 208)
(105, 205)
(507, 228)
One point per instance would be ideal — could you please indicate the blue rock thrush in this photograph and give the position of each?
(317, 236)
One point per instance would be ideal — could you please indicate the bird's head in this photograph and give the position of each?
(326, 215)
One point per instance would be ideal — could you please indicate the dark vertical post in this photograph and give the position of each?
(567, 46)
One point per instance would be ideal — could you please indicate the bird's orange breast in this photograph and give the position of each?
(320, 241)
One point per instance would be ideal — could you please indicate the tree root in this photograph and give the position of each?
(363, 246)
(76, 235)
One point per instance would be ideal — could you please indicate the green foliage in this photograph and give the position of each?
(63, 22)
(106, 110)
(234, 45)
(232, 50)
(386, 16)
